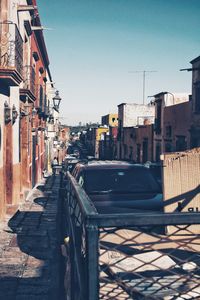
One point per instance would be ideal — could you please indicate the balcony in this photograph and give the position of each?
(29, 87)
(11, 54)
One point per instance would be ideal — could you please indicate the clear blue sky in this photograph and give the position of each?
(96, 45)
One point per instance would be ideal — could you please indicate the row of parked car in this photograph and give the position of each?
(118, 186)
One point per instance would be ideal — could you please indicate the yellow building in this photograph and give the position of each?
(100, 135)
(110, 120)
(100, 132)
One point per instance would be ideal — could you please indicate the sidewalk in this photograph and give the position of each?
(30, 258)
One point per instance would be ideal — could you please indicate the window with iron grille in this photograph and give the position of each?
(45, 103)
(41, 97)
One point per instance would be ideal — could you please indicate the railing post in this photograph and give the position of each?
(93, 262)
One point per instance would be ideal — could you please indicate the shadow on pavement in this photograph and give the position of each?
(33, 269)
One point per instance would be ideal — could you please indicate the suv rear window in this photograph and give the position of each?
(120, 180)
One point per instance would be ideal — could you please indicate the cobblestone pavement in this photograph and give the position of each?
(30, 259)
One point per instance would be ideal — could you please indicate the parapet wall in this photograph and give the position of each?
(181, 181)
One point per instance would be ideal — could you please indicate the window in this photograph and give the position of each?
(120, 180)
(131, 152)
(158, 118)
(168, 131)
(158, 151)
(125, 150)
(197, 97)
(41, 96)
(181, 144)
(168, 147)
(138, 153)
(145, 150)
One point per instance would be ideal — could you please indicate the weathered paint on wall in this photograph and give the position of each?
(137, 144)
(131, 114)
(16, 184)
(2, 194)
(14, 100)
(170, 110)
(181, 183)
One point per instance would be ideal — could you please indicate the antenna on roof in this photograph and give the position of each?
(144, 81)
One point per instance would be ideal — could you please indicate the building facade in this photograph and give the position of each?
(132, 115)
(172, 123)
(110, 120)
(24, 109)
(137, 143)
(195, 120)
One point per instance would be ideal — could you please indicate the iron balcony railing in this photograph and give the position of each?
(152, 256)
(11, 47)
(29, 79)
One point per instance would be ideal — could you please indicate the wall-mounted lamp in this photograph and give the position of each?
(7, 113)
(51, 119)
(34, 112)
(23, 114)
(56, 101)
(14, 114)
(26, 112)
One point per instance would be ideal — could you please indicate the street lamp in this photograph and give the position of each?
(56, 101)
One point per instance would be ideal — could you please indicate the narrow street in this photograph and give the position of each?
(30, 258)
(99, 150)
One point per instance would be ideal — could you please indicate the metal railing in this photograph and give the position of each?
(29, 79)
(130, 256)
(11, 47)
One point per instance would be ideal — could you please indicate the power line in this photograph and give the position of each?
(144, 81)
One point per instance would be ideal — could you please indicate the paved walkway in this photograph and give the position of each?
(30, 259)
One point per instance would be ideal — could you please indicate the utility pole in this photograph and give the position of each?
(144, 81)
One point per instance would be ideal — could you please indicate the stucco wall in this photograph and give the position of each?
(175, 98)
(14, 99)
(178, 117)
(110, 120)
(131, 114)
(3, 98)
(134, 136)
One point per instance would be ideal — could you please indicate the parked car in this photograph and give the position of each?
(156, 169)
(69, 163)
(116, 186)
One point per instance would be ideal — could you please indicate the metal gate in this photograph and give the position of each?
(130, 256)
